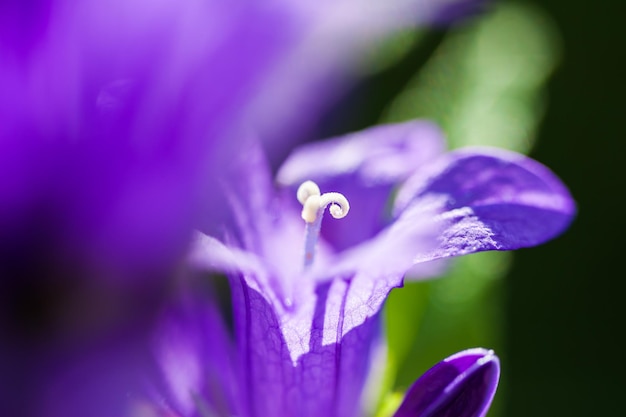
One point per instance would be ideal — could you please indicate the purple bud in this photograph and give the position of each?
(462, 385)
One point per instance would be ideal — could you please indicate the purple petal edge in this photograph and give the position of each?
(489, 199)
(193, 351)
(462, 385)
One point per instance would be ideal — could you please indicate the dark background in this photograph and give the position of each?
(566, 299)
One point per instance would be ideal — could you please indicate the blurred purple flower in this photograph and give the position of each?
(115, 117)
(307, 320)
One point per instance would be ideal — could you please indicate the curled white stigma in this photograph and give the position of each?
(314, 203)
(306, 190)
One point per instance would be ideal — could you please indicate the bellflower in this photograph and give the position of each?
(306, 297)
(116, 119)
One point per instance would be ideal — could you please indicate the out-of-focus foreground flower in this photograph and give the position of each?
(114, 117)
(306, 304)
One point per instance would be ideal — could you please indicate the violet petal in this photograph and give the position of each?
(194, 352)
(489, 199)
(297, 360)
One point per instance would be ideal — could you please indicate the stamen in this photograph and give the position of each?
(339, 205)
(313, 205)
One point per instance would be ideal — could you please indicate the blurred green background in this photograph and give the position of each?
(544, 78)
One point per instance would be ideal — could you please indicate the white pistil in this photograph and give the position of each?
(313, 205)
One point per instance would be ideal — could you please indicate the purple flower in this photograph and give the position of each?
(306, 303)
(115, 116)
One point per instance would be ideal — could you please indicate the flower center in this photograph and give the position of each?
(313, 205)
